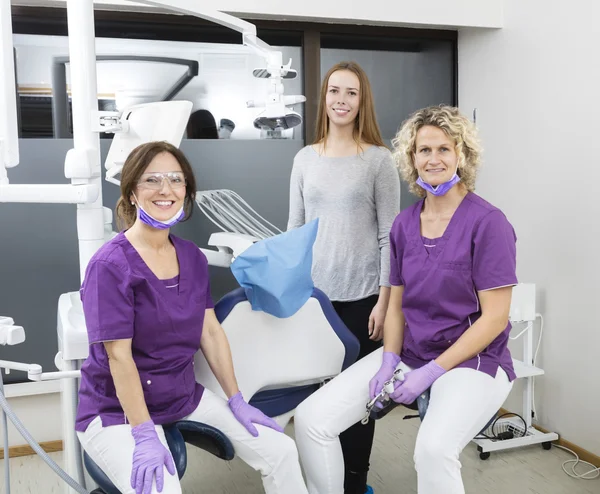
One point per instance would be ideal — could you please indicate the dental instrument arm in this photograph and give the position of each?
(276, 114)
(11, 334)
(248, 30)
(127, 381)
(495, 308)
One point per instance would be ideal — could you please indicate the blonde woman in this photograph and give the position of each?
(453, 263)
(348, 180)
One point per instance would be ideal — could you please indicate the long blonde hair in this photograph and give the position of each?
(366, 128)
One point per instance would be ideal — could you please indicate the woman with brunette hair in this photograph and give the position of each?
(148, 310)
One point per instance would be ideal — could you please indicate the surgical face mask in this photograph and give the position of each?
(441, 189)
(150, 220)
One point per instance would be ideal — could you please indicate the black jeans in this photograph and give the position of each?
(357, 441)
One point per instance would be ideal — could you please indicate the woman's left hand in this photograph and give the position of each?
(416, 382)
(247, 415)
(376, 320)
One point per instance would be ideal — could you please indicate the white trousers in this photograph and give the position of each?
(462, 402)
(272, 453)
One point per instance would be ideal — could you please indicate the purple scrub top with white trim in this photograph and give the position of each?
(441, 278)
(123, 299)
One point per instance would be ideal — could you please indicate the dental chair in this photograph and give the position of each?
(278, 363)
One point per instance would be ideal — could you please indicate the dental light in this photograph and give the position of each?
(137, 124)
(276, 115)
(160, 121)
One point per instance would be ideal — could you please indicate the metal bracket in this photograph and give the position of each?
(108, 121)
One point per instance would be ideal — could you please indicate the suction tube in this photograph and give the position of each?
(7, 411)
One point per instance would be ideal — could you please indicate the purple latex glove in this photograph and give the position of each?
(247, 415)
(149, 457)
(385, 372)
(415, 382)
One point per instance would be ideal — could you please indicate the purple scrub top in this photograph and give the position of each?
(441, 278)
(123, 299)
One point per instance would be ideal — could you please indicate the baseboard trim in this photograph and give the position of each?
(54, 446)
(26, 450)
(582, 453)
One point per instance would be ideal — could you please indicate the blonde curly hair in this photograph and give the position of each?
(456, 126)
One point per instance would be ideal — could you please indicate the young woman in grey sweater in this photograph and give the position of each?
(348, 180)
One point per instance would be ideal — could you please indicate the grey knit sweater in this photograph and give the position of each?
(356, 199)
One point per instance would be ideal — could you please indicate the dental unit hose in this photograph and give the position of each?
(7, 411)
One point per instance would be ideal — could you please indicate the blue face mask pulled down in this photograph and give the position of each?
(276, 272)
(441, 189)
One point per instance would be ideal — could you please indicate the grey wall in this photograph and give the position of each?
(402, 82)
(38, 244)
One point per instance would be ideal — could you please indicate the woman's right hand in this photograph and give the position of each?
(149, 457)
(385, 372)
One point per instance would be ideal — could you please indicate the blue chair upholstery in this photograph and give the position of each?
(276, 402)
(178, 434)
(279, 401)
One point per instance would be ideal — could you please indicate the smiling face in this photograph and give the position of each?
(435, 155)
(161, 189)
(343, 98)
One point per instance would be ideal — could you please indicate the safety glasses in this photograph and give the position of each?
(154, 181)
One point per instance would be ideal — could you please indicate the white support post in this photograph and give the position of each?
(9, 143)
(82, 56)
(90, 217)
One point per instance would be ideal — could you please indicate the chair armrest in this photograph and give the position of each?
(206, 437)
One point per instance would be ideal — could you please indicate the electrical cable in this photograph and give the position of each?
(573, 474)
(501, 436)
